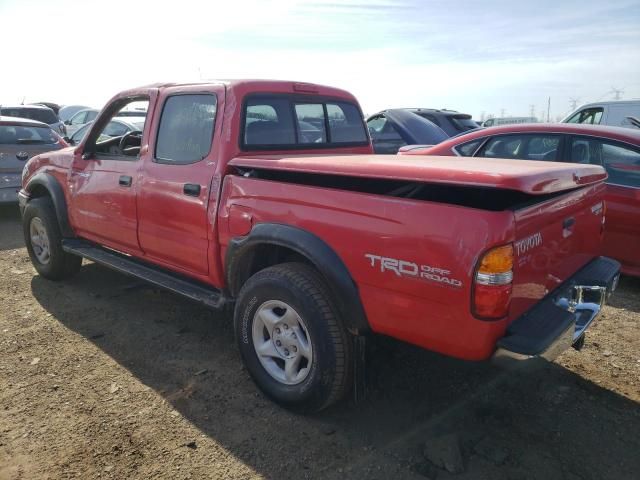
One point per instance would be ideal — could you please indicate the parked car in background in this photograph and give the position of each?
(451, 121)
(493, 122)
(115, 128)
(616, 149)
(53, 106)
(391, 129)
(614, 113)
(68, 111)
(21, 139)
(39, 113)
(79, 119)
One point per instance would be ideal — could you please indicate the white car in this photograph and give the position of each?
(614, 113)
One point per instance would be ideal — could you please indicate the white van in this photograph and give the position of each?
(613, 113)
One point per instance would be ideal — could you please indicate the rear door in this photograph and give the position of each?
(174, 229)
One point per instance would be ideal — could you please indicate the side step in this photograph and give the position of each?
(162, 278)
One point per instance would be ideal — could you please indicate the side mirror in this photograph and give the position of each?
(67, 122)
(68, 140)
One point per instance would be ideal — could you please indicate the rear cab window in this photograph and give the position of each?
(290, 122)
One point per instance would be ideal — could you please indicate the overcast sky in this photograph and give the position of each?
(472, 56)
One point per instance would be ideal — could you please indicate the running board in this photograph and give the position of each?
(162, 278)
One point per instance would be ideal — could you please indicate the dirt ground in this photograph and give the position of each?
(104, 377)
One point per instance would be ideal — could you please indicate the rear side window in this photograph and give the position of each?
(522, 147)
(24, 135)
(469, 148)
(44, 115)
(290, 122)
(186, 128)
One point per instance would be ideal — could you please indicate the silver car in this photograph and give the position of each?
(79, 119)
(39, 113)
(115, 128)
(21, 139)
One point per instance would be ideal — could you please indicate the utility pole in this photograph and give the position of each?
(532, 111)
(574, 103)
(617, 92)
(548, 110)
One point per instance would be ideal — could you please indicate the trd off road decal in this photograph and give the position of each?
(528, 243)
(403, 268)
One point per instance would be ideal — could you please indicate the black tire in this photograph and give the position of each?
(301, 287)
(60, 265)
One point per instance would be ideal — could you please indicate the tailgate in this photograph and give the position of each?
(554, 239)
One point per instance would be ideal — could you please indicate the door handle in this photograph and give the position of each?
(191, 189)
(125, 181)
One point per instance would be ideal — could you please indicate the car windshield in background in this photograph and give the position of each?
(25, 135)
(44, 115)
(283, 121)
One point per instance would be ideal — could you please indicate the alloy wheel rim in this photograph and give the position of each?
(39, 240)
(282, 343)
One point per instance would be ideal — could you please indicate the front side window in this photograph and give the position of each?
(591, 116)
(522, 147)
(104, 141)
(290, 122)
(79, 118)
(621, 162)
(185, 134)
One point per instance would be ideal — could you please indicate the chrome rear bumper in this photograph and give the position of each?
(561, 319)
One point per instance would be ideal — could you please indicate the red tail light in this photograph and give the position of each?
(493, 283)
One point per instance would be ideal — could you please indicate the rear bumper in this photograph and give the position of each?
(561, 319)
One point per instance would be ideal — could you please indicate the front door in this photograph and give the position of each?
(174, 229)
(103, 181)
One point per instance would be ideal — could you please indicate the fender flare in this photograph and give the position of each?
(341, 285)
(56, 193)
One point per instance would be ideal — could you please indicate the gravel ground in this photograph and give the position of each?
(104, 377)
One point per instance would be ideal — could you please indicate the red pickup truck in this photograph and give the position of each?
(264, 197)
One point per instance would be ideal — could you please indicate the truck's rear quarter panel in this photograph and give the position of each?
(432, 311)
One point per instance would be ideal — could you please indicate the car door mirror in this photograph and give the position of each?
(68, 140)
(67, 122)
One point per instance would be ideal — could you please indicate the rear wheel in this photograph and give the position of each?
(44, 241)
(291, 338)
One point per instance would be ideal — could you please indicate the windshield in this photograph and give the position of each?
(44, 115)
(24, 135)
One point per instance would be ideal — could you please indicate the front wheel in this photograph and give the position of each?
(44, 241)
(291, 339)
